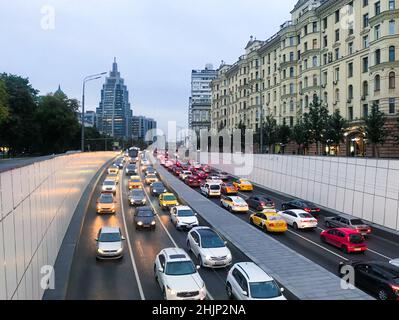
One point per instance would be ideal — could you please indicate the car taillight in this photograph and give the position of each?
(318, 210)
(262, 203)
(307, 210)
(395, 288)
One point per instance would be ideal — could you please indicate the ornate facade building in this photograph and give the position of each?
(345, 52)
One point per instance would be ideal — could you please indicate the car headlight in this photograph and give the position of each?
(140, 223)
(119, 250)
(177, 203)
(203, 289)
(153, 223)
(171, 291)
(229, 256)
(144, 200)
(100, 251)
(208, 257)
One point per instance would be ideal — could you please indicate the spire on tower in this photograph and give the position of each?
(114, 66)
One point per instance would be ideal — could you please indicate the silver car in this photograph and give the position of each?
(109, 243)
(348, 222)
(137, 197)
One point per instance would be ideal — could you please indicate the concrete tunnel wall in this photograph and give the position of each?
(37, 203)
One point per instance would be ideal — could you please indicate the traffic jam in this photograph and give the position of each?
(177, 274)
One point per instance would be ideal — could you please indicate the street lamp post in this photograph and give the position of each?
(87, 79)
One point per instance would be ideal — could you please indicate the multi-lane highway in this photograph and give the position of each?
(133, 276)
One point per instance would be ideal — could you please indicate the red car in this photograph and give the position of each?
(348, 240)
(177, 170)
(193, 181)
(202, 174)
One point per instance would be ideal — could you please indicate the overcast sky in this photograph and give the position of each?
(156, 42)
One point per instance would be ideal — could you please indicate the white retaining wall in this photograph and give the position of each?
(36, 205)
(365, 188)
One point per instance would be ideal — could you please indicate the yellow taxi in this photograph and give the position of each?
(113, 177)
(229, 189)
(167, 200)
(135, 183)
(269, 221)
(243, 185)
(113, 169)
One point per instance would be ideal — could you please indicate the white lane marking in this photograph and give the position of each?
(128, 241)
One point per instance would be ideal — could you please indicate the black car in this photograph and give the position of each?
(157, 188)
(131, 169)
(259, 202)
(307, 206)
(376, 277)
(144, 217)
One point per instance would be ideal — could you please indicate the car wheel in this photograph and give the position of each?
(201, 263)
(323, 239)
(229, 291)
(251, 221)
(164, 294)
(265, 228)
(382, 295)
(345, 249)
(295, 226)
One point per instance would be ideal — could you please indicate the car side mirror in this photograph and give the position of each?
(96, 239)
(160, 269)
(282, 289)
(225, 243)
(196, 214)
(123, 238)
(198, 267)
(244, 293)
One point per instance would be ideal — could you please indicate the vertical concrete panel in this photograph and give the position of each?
(6, 194)
(381, 182)
(29, 283)
(340, 200)
(393, 184)
(341, 182)
(360, 177)
(19, 242)
(348, 205)
(350, 176)
(368, 207)
(378, 212)
(333, 172)
(27, 230)
(9, 246)
(324, 195)
(317, 192)
(358, 204)
(369, 182)
(16, 186)
(3, 291)
(391, 213)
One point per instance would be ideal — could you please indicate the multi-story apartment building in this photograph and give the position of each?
(141, 125)
(199, 114)
(114, 114)
(345, 52)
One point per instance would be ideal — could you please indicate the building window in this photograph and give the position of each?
(337, 16)
(377, 32)
(391, 105)
(306, 101)
(350, 69)
(314, 80)
(377, 56)
(337, 95)
(391, 54)
(337, 55)
(377, 8)
(315, 61)
(365, 64)
(350, 92)
(392, 27)
(365, 42)
(365, 111)
(391, 4)
(365, 3)
(377, 83)
(337, 35)
(350, 47)
(365, 20)
(350, 113)
(365, 88)
(392, 80)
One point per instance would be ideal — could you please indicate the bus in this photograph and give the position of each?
(134, 153)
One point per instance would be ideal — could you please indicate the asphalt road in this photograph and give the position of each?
(132, 277)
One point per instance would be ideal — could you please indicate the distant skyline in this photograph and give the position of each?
(157, 43)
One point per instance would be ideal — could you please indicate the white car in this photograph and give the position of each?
(299, 219)
(246, 281)
(211, 189)
(395, 262)
(214, 179)
(185, 174)
(209, 248)
(183, 217)
(109, 186)
(177, 276)
(234, 204)
(109, 243)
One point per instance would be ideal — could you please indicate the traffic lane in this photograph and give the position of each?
(380, 248)
(146, 244)
(93, 279)
(214, 279)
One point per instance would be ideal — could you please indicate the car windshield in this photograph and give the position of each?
(211, 241)
(240, 201)
(137, 193)
(105, 199)
(274, 218)
(356, 222)
(158, 186)
(214, 187)
(264, 290)
(110, 237)
(309, 204)
(185, 213)
(180, 268)
(169, 198)
(145, 214)
(228, 185)
(109, 183)
(151, 175)
(131, 166)
(305, 215)
(355, 238)
(135, 180)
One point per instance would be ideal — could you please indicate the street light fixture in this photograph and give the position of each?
(87, 79)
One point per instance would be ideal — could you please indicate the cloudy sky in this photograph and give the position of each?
(156, 42)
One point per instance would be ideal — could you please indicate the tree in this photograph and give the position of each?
(283, 136)
(335, 130)
(19, 131)
(59, 128)
(375, 130)
(270, 132)
(317, 119)
(4, 111)
(301, 135)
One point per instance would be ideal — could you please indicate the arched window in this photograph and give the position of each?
(325, 97)
(377, 83)
(391, 54)
(350, 92)
(392, 80)
(314, 80)
(365, 88)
